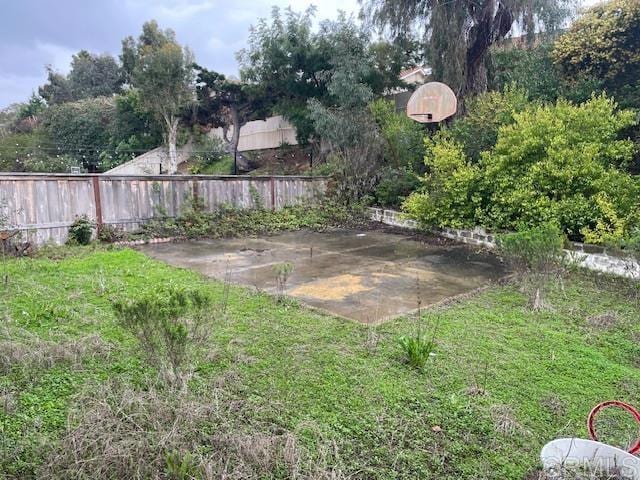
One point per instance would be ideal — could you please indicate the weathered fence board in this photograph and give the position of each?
(42, 206)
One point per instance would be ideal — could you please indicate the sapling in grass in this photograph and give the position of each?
(170, 325)
(282, 272)
(536, 256)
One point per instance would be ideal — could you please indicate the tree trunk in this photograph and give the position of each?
(172, 138)
(235, 138)
(490, 25)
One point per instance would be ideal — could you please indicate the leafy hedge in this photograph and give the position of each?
(563, 163)
(195, 222)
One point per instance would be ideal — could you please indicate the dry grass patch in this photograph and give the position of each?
(604, 321)
(29, 351)
(118, 432)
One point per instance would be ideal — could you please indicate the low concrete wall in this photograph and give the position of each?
(43, 206)
(591, 257)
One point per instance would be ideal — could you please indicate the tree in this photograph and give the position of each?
(82, 129)
(345, 120)
(134, 130)
(162, 72)
(460, 33)
(224, 103)
(532, 69)
(27, 115)
(605, 44)
(285, 58)
(292, 64)
(93, 75)
(57, 89)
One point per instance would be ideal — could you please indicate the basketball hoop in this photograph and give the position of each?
(633, 449)
(431, 103)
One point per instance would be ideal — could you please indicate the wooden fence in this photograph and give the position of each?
(42, 206)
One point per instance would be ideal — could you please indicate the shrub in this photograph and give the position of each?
(403, 137)
(170, 325)
(536, 254)
(604, 43)
(477, 131)
(532, 69)
(447, 198)
(210, 157)
(77, 127)
(395, 186)
(195, 221)
(81, 230)
(111, 234)
(282, 272)
(559, 163)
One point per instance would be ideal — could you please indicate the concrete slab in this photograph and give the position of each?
(366, 276)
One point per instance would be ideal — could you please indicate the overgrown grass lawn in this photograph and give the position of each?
(504, 380)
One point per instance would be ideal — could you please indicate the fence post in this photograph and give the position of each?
(194, 188)
(98, 201)
(273, 193)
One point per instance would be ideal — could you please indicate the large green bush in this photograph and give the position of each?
(447, 197)
(403, 137)
(81, 129)
(403, 152)
(477, 131)
(561, 163)
(532, 69)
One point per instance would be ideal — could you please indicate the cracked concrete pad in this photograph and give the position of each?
(366, 276)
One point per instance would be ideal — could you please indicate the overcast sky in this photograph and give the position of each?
(35, 33)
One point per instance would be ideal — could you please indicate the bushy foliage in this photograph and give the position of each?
(50, 162)
(532, 69)
(604, 44)
(447, 198)
(403, 152)
(81, 129)
(403, 137)
(395, 186)
(32, 152)
(81, 230)
(536, 255)
(133, 130)
(195, 221)
(295, 63)
(536, 249)
(210, 156)
(477, 130)
(91, 75)
(169, 324)
(561, 163)
(345, 120)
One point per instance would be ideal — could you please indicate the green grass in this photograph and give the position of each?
(296, 370)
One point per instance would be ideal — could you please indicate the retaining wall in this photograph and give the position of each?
(42, 207)
(592, 257)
